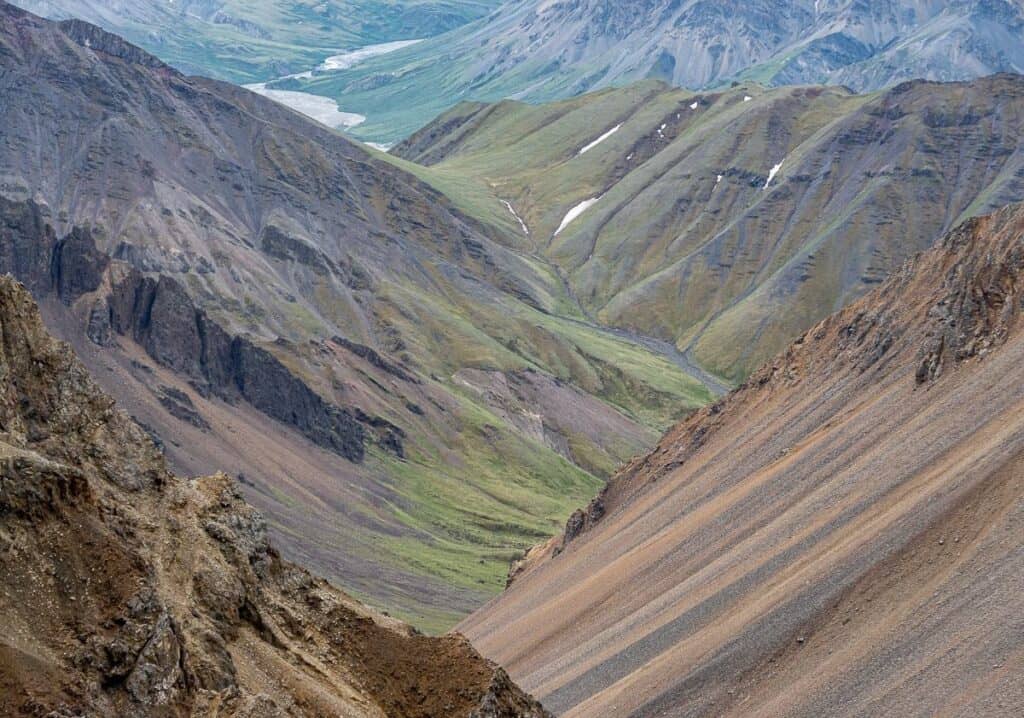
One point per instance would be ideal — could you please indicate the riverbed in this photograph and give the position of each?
(324, 109)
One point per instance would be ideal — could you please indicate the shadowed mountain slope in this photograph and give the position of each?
(128, 591)
(842, 535)
(411, 399)
(729, 222)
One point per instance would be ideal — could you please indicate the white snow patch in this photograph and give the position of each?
(771, 175)
(695, 105)
(526, 230)
(378, 146)
(747, 98)
(718, 181)
(322, 109)
(629, 157)
(353, 57)
(601, 139)
(576, 212)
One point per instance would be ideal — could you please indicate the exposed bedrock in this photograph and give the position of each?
(159, 315)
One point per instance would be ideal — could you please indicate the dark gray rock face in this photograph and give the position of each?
(266, 384)
(179, 405)
(78, 266)
(88, 35)
(26, 243)
(160, 316)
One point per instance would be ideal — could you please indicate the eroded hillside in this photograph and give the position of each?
(841, 535)
(728, 223)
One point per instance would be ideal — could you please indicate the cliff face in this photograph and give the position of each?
(159, 315)
(128, 591)
(840, 535)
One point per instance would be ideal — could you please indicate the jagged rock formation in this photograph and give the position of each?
(128, 591)
(839, 536)
(160, 316)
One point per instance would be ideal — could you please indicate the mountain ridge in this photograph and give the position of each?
(539, 51)
(729, 222)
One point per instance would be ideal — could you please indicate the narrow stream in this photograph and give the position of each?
(663, 348)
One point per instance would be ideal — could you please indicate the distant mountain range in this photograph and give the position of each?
(247, 42)
(542, 50)
(538, 50)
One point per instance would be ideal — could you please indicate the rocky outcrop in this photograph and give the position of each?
(93, 38)
(131, 592)
(159, 315)
(26, 243)
(374, 358)
(77, 266)
(982, 303)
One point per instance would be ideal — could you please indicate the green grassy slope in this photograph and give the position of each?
(687, 242)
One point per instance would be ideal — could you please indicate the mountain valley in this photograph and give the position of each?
(652, 358)
(368, 291)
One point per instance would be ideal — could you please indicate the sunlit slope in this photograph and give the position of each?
(729, 222)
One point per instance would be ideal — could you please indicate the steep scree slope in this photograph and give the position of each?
(842, 535)
(127, 591)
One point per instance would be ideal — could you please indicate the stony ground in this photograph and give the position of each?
(840, 536)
